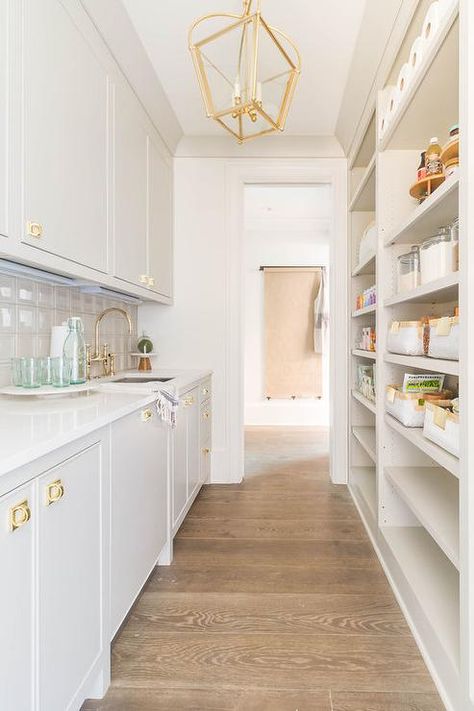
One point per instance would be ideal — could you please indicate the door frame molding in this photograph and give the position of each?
(332, 171)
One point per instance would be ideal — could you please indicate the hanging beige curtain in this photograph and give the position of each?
(292, 368)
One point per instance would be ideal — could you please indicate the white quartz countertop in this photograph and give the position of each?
(31, 427)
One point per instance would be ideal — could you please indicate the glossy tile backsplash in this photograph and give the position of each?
(29, 309)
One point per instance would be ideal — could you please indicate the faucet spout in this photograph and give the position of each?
(99, 319)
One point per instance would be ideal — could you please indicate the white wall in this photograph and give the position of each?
(284, 225)
(202, 329)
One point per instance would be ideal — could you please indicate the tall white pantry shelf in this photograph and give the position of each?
(415, 498)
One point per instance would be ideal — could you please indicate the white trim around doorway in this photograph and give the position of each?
(300, 172)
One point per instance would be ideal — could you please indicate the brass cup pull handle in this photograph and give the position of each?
(19, 515)
(54, 492)
(146, 415)
(34, 229)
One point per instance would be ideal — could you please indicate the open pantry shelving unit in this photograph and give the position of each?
(415, 498)
(362, 434)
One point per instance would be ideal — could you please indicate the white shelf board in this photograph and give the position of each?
(360, 353)
(439, 209)
(434, 79)
(440, 290)
(434, 365)
(362, 482)
(365, 267)
(366, 438)
(363, 400)
(433, 580)
(363, 312)
(363, 199)
(416, 437)
(432, 494)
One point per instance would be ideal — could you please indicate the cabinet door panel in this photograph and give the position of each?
(180, 465)
(160, 221)
(70, 597)
(16, 605)
(130, 223)
(65, 137)
(139, 506)
(4, 118)
(193, 448)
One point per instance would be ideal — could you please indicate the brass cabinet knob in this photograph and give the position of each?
(54, 492)
(206, 415)
(19, 515)
(146, 415)
(205, 391)
(188, 401)
(34, 229)
(206, 451)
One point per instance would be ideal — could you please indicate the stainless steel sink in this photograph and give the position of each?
(138, 379)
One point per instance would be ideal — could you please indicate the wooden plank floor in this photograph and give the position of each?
(275, 602)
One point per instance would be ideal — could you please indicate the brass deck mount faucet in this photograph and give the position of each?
(101, 352)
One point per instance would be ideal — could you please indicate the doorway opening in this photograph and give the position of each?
(285, 268)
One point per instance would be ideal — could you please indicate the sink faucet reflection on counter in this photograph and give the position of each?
(101, 352)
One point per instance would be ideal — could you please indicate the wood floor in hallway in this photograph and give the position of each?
(275, 601)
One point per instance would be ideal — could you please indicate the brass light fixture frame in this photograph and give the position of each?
(253, 107)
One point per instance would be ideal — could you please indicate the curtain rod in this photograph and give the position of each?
(292, 266)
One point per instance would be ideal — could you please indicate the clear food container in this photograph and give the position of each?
(409, 270)
(439, 254)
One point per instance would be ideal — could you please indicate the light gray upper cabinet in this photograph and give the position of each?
(4, 104)
(160, 221)
(65, 134)
(142, 200)
(130, 180)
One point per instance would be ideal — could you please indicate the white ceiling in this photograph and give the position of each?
(325, 32)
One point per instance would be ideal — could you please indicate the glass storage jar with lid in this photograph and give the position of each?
(409, 270)
(439, 254)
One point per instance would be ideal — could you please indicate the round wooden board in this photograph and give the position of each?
(423, 188)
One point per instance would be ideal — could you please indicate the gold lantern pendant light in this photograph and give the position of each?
(247, 71)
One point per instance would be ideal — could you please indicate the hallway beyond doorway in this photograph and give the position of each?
(275, 602)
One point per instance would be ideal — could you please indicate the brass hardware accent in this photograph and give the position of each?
(146, 415)
(188, 401)
(206, 451)
(205, 391)
(206, 415)
(151, 281)
(19, 515)
(143, 278)
(34, 229)
(54, 492)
